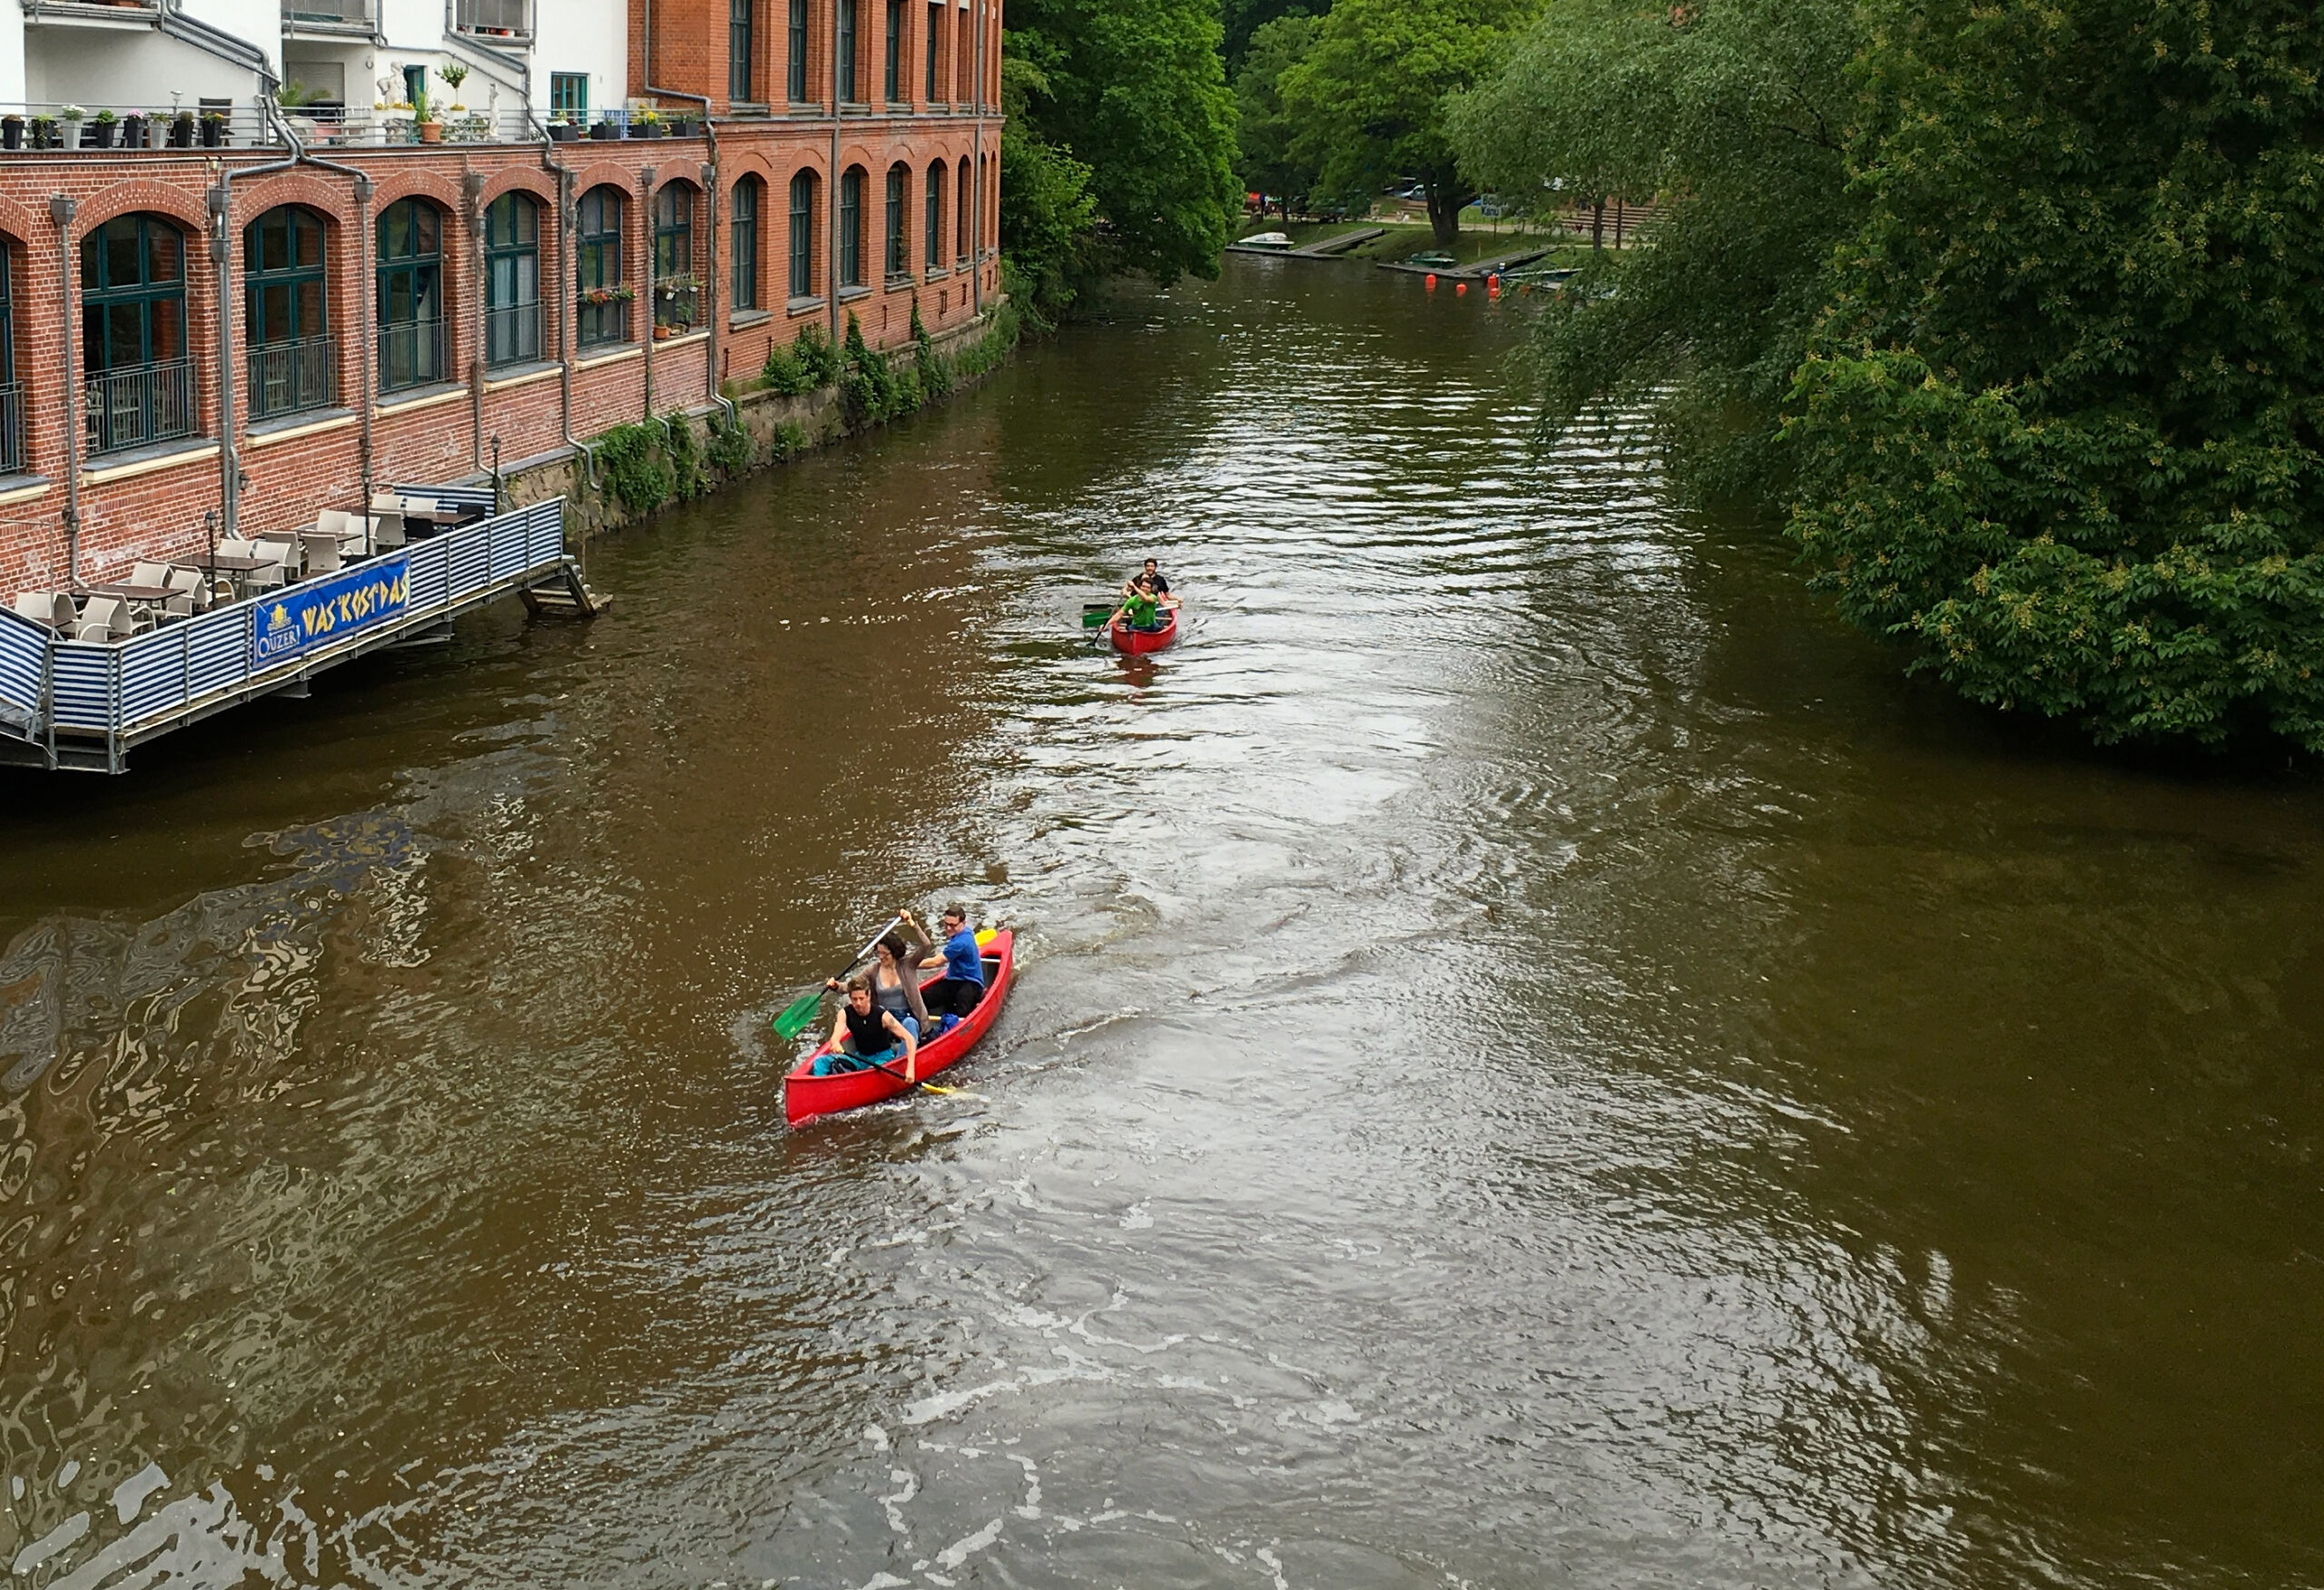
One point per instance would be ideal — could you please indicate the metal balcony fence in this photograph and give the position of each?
(328, 12)
(512, 18)
(12, 427)
(512, 334)
(411, 355)
(286, 377)
(140, 403)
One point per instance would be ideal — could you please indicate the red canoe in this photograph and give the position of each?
(806, 1096)
(1136, 643)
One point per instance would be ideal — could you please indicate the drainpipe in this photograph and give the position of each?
(62, 208)
(976, 229)
(221, 261)
(646, 189)
(831, 184)
(564, 174)
(709, 193)
(359, 182)
(472, 191)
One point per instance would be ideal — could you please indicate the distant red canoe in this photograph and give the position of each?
(806, 1096)
(1136, 643)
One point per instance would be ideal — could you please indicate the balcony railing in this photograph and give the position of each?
(12, 429)
(494, 18)
(143, 403)
(327, 14)
(411, 355)
(287, 378)
(512, 335)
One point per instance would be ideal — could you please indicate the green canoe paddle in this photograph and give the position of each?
(1094, 613)
(801, 1012)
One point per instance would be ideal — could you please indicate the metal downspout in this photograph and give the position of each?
(710, 194)
(221, 261)
(831, 185)
(976, 230)
(472, 191)
(62, 208)
(564, 174)
(646, 175)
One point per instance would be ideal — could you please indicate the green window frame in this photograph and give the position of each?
(738, 50)
(744, 244)
(676, 307)
(850, 228)
(803, 235)
(899, 238)
(934, 247)
(512, 280)
(132, 294)
(568, 94)
(285, 322)
(846, 57)
(411, 292)
(597, 267)
(796, 64)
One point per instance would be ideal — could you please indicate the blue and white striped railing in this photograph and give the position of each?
(123, 688)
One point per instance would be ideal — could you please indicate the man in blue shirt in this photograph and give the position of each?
(955, 994)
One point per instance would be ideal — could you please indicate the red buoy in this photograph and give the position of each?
(1431, 280)
(1461, 290)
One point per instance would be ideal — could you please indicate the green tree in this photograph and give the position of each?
(1242, 20)
(1733, 117)
(1135, 89)
(2059, 433)
(1264, 132)
(1048, 214)
(1370, 96)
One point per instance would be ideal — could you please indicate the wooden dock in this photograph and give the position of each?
(1321, 249)
(1476, 272)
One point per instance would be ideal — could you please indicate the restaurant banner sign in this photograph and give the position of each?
(307, 617)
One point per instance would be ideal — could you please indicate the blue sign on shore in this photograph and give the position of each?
(313, 615)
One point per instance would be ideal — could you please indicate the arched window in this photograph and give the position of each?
(676, 292)
(744, 246)
(899, 202)
(803, 235)
(795, 78)
(846, 44)
(934, 246)
(895, 54)
(604, 299)
(512, 280)
(961, 194)
(411, 295)
(850, 228)
(287, 347)
(11, 396)
(133, 356)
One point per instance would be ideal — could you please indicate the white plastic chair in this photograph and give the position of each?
(53, 609)
(150, 574)
(105, 618)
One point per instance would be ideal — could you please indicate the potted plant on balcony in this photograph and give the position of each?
(71, 116)
(133, 130)
(12, 132)
(214, 129)
(44, 133)
(645, 124)
(604, 131)
(423, 118)
(102, 127)
(562, 128)
(182, 130)
(685, 126)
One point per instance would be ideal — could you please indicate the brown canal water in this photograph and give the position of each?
(1538, 1060)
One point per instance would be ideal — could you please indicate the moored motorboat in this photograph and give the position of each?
(806, 1096)
(1136, 643)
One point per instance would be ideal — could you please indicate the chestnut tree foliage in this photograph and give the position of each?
(2015, 307)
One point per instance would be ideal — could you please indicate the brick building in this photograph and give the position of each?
(233, 317)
